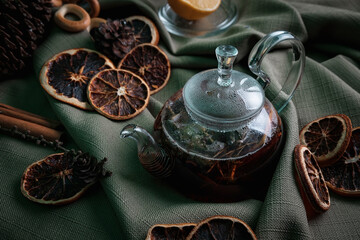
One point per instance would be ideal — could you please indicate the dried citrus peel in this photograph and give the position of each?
(61, 178)
(215, 227)
(145, 30)
(222, 227)
(327, 137)
(115, 38)
(118, 94)
(343, 177)
(311, 181)
(170, 231)
(66, 75)
(150, 63)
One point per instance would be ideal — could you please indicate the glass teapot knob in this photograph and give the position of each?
(225, 55)
(283, 95)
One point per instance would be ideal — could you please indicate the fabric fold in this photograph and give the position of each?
(127, 204)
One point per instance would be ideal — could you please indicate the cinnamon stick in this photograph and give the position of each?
(25, 121)
(27, 116)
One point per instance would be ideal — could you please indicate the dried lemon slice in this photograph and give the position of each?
(150, 63)
(311, 182)
(170, 231)
(66, 75)
(343, 177)
(194, 9)
(221, 227)
(118, 94)
(327, 137)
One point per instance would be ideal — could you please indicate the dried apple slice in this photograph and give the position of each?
(327, 138)
(343, 177)
(118, 94)
(150, 63)
(66, 75)
(221, 227)
(311, 182)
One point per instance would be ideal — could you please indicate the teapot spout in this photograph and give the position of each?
(152, 157)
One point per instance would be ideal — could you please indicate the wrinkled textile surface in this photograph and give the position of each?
(125, 205)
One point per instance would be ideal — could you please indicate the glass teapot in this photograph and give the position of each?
(218, 138)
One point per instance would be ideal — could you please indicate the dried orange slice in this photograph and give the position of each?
(66, 75)
(150, 63)
(60, 178)
(311, 182)
(327, 137)
(118, 94)
(343, 177)
(194, 9)
(221, 227)
(145, 31)
(115, 38)
(170, 231)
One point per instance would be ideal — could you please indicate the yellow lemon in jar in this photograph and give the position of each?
(194, 9)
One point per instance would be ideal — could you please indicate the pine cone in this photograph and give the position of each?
(115, 39)
(86, 168)
(23, 26)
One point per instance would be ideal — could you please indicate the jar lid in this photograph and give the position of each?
(222, 99)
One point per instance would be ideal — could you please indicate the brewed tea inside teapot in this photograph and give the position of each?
(218, 138)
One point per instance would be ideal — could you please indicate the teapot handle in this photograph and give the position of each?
(257, 54)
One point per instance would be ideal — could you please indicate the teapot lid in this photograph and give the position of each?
(222, 99)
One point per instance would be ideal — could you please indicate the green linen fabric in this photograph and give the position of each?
(127, 204)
